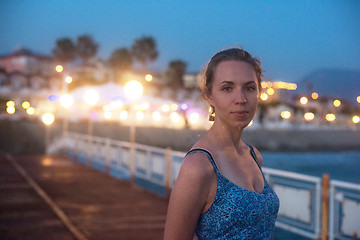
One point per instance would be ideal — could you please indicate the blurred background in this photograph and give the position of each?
(73, 59)
(104, 67)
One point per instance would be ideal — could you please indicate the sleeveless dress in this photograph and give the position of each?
(237, 213)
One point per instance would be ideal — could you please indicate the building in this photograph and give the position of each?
(27, 76)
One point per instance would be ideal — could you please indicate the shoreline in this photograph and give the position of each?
(25, 136)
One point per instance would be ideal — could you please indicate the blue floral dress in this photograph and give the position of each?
(237, 213)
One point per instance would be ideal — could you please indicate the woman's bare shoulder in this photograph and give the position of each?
(197, 163)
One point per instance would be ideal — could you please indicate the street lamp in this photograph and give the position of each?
(91, 97)
(133, 90)
(66, 101)
(47, 119)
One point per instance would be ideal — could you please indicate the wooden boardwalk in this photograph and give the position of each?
(53, 197)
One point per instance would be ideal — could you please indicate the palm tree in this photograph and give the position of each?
(86, 48)
(64, 50)
(144, 50)
(120, 61)
(176, 71)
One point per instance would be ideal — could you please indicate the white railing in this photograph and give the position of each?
(300, 201)
(344, 210)
(303, 198)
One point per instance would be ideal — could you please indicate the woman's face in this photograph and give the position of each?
(235, 93)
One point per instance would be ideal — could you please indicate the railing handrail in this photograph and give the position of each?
(294, 175)
(352, 186)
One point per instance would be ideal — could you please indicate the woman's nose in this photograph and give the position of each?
(240, 97)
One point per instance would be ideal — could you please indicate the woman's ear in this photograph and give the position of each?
(208, 98)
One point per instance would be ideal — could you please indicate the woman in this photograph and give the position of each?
(220, 192)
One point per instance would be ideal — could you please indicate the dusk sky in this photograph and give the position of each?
(292, 38)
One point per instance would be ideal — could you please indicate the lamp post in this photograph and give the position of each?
(91, 98)
(66, 101)
(47, 119)
(133, 90)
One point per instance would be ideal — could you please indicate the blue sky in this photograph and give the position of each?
(292, 38)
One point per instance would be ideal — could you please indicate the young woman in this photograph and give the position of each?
(220, 192)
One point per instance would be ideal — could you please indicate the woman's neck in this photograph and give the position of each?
(225, 136)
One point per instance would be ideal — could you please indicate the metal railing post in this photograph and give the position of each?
(325, 206)
(168, 171)
(132, 163)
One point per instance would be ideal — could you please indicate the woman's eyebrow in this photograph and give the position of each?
(250, 82)
(226, 82)
(230, 82)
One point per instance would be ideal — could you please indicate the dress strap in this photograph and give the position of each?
(252, 152)
(208, 154)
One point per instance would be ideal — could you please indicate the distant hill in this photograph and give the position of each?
(344, 84)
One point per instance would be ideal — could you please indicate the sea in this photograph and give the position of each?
(342, 166)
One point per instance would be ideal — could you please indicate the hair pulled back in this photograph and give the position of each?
(235, 54)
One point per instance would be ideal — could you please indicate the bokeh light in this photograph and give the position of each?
(59, 68)
(175, 117)
(68, 79)
(285, 114)
(270, 91)
(140, 115)
(10, 110)
(91, 97)
(330, 117)
(309, 116)
(124, 115)
(194, 117)
(264, 96)
(148, 77)
(10, 104)
(25, 105)
(48, 118)
(66, 101)
(337, 103)
(30, 111)
(133, 89)
(107, 115)
(356, 119)
(53, 98)
(314, 95)
(304, 100)
(156, 116)
(184, 106)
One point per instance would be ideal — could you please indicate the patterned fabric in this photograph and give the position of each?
(237, 213)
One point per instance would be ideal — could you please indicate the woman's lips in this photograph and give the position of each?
(240, 113)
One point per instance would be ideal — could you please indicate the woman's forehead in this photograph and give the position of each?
(234, 70)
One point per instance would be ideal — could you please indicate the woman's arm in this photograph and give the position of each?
(188, 197)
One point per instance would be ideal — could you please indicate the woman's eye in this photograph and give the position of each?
(227, 89)
(251, 88)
